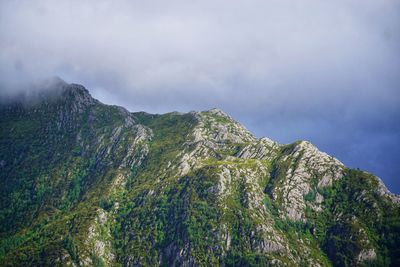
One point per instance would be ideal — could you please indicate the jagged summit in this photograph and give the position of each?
(219, 112)
(76, 89)
(215, 112)
(219, 127)
(77, 93)
(50, 91)
(57, 89)
(87, 184)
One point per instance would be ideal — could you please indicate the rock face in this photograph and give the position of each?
(83, 183)
(303, 169)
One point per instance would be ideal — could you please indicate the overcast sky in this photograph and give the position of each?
(324, 71)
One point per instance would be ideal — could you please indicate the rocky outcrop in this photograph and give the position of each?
(218, 129)
(98, 247)
(302, 169)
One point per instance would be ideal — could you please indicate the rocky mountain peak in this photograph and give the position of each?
(88, 184)
(49, 92)
(218, 127)
(219, 112)
(77, 93)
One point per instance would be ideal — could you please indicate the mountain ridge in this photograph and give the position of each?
(84, 183)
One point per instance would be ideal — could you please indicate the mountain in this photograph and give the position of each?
(88, 184)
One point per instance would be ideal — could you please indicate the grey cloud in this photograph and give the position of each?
(326, 71)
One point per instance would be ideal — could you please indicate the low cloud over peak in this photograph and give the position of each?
(327, 72)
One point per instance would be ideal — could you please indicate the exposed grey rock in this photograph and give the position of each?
(382, 190)
(367, 254)
(99, 240)
(309, 163)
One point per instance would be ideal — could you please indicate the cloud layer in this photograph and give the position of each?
(325, 71)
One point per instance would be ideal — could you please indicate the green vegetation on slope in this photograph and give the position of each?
(89, 184)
